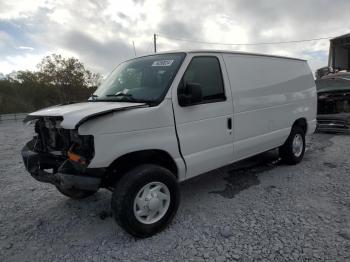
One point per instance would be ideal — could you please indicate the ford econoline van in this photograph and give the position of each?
(161, 119)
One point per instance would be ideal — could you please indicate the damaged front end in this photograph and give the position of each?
(333, 88)
(333, 103)
(61, 156)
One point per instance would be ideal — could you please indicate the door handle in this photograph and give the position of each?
(229, 123)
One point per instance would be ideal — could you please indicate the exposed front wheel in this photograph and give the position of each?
(292, 151)
(145, 200)
(75, 193)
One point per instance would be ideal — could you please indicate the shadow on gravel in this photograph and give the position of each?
(243, 174)
(314, 143)
(330, 165)
(105, 214)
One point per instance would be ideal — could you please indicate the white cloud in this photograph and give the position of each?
(224, 30)
(26, 48)
(61, 16)
(5, 39)
(100, 33)
(12, 9)
(20, 62)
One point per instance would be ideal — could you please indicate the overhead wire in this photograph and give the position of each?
(243, 44)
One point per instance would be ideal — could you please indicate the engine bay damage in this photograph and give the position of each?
(63, 143)
(60, 156)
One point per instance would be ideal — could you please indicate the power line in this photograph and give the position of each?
(249, 44)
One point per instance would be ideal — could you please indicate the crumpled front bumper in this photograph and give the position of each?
(64, 173)
(334, 123)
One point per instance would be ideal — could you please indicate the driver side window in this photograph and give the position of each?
(206, 71)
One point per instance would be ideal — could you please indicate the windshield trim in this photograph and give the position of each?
(165, 91)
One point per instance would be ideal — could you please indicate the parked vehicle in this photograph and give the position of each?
(333, 88)
(161, 119)
(333, 114)
(323, 71)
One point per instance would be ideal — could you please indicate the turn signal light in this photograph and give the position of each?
(76, 158)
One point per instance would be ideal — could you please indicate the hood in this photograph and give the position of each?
(333, 83)
(73, 115)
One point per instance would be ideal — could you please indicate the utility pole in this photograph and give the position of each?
(155, 42)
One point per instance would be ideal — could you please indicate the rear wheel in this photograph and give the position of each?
(145, 200)
(75, 193)
(292, 151)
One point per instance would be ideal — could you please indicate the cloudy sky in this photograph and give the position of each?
(100, 33)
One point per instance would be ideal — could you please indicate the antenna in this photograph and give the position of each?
(133, 44)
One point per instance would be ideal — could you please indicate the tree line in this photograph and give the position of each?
(58, 80)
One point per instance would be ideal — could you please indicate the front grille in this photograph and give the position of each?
(58, 141)
(52, 138)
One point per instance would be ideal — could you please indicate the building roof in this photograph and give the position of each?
(341, 37)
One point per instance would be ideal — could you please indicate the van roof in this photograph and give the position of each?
(229, 52)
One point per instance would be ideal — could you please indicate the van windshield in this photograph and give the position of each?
(145, 79)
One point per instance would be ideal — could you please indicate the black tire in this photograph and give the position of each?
(126, 191)
(286, 150)
(75, 193)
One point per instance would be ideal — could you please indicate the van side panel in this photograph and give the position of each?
(205, 140)
(269, 94)
(134, 130)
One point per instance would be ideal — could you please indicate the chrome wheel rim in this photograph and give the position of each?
(298, 145)
(151, 202)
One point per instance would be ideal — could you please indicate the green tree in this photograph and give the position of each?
(58, 80)
(62, 71)
(67, 74)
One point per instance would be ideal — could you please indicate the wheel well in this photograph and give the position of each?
(301, 122)
(128, 161)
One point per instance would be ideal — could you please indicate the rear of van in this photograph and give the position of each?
(270, 94)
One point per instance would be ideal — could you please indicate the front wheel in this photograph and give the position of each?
(145, 200)
(292, 151)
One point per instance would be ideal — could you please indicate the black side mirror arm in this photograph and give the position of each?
(189, 93)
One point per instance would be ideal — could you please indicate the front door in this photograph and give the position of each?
(205, 129)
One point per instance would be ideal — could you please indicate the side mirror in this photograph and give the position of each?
(189, 94)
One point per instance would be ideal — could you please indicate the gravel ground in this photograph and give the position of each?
(257, 210)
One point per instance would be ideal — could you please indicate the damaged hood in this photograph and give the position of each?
(75, 114)
(334, 82)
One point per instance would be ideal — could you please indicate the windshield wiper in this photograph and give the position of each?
(128, 97)
(93, 97)
(120, 94)
(123, 95)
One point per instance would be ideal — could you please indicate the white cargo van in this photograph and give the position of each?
(160, 119)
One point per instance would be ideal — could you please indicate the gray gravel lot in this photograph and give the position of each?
(257, 210)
